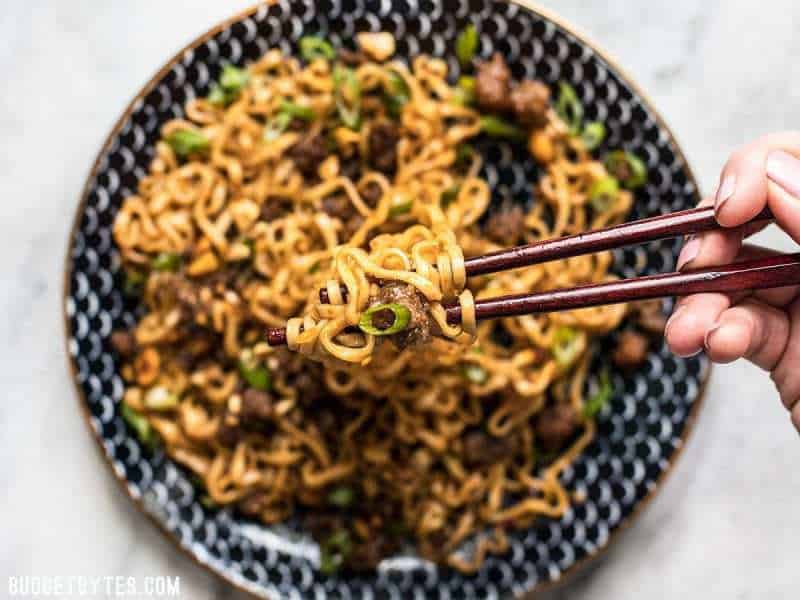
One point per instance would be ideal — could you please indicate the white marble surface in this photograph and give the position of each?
(725, 525)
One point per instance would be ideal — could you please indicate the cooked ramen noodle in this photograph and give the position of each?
(379, 424)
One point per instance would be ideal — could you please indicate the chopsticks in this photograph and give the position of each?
(651, 229)
(763, 273)
(776, 271)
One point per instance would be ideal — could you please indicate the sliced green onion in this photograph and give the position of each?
(464, 153)
(467, 45)
(334, 552)
(401, 318)
(313, 47)
(394, 105)
(306, 113)
(467, 83)
(461, 98)
(464, 93)
(596, 403)
(329, 562)
(315, 267)
(566, 347)
(160, 398)
(138, 423)
(188, 141)
(255, 374)
(342, 496)
(397, 85)
(166, 261)
(569, 107)
(231, 82)
(276, 126)
(341, 540)
(401, 205)
(449, 196)
(602, 192)
(475, 373)
(593, 134)
(628, 168)
(397, 95)
(496, 127)
(233, 79)
(347, 92)
(208, 502)
(280, 122)
(133, 282)
(217, 95)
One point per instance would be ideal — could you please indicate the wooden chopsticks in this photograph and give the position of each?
(763, 273)
(770, 272)
(651, 229)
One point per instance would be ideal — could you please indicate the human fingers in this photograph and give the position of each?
(752, 330)
(709, 247)
(694, 316)
(763, 173)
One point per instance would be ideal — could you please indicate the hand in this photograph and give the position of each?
(762, 326)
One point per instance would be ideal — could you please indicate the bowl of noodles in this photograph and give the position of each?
(327, 168)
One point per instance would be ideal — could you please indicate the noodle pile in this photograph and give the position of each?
(375, 443)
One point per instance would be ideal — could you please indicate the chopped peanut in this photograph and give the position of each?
(147, 366)
(235, 404)
(361, 528)
(203, 245)
(238, 251)
(329, 167)
(203, 264)
(541, 146)
(133, 398)
(128, 373)
(284, 406)
(346, 139)
(244, 213)
(160, 398)
(380, 45)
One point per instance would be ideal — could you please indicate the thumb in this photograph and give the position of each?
(783, 190)
(763, 173)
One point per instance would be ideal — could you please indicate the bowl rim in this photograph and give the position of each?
(570, 573)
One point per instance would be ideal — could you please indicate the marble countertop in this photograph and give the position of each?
(724, 525)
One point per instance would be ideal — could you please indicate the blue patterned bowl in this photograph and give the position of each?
(640, 433)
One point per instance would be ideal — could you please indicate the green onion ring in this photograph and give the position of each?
(402, 316)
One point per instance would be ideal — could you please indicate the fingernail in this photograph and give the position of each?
(725, 190)
(674, 314)
(709, 333)
(689, 252)
(670, 321)
(784, 169)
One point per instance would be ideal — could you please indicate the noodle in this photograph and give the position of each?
(273, 188)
